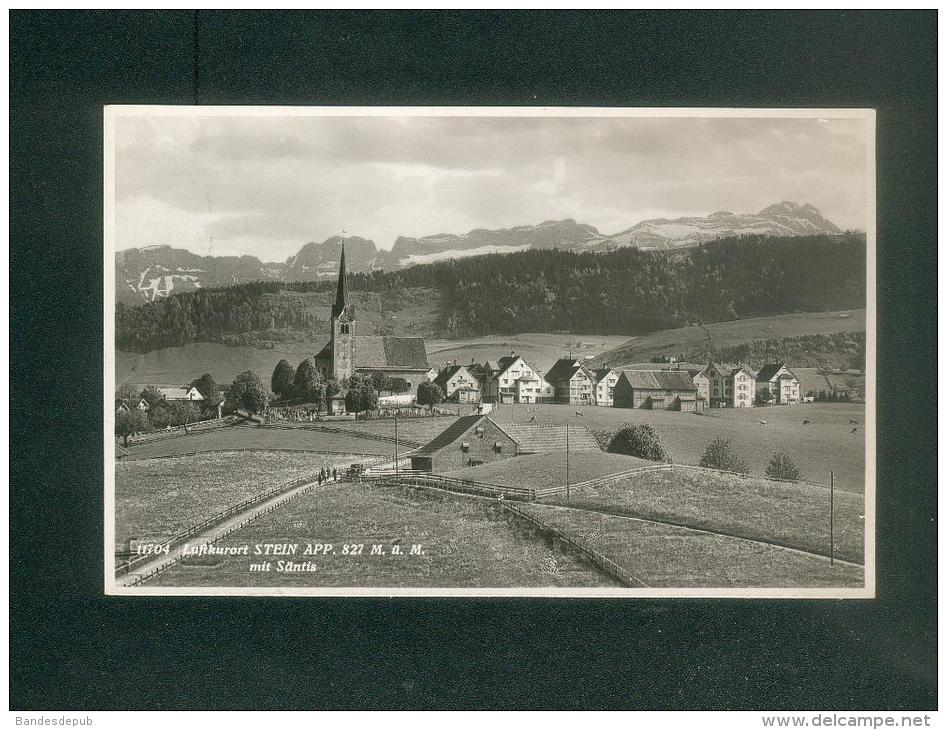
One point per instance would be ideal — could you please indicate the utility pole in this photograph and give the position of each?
(396, 443)
(568, 498)
(832, 518)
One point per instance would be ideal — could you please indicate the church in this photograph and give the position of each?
(348, 351)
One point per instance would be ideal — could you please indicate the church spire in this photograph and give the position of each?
(341, 294)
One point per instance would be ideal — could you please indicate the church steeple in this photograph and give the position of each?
(341, 294)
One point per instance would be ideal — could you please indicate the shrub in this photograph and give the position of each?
(719, 454)
(782, 467)
(430, 394)
(639, 440)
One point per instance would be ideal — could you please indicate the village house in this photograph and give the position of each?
(459, 384)
(512, 379)
(572, 382)
(776, 383)
(179, 394)
(605, 381)
(700, 379)
(468, 441)
(348, 352)
(731, 385)
(671, 390)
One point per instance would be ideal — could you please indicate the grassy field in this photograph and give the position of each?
(695, 340)
(157, 499)
(792, 515)
(465, 542)
(676, 557)
(541, 349)
(826, 444)
(420, 430)
(538, 471)
(253, 437)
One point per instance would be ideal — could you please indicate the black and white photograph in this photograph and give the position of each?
(489, 351)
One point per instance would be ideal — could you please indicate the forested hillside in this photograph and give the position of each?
(624, 292)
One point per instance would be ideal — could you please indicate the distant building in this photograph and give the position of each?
(671, 390)
(122, 406)
(732, 385)
(459, 384)
(468, 441)
(348, 352)
(605, 381)
(703, 384)
(777, 384)
(512, 379)
(179, 394)
(572, 382)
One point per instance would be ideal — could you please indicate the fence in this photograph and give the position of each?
(350, 432)
(127, 565)
(605, 564)
(451, 484)
(365, 458)
(176, 431)
(601, 481)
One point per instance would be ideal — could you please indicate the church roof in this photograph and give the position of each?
(382, 351)
(341, 294)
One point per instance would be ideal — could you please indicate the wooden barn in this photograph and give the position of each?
(468, 441)
(670, 390)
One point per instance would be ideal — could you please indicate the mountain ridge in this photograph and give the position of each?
(156, 271)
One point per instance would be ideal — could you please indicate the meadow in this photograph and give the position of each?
(677, 557)
(538, 471)
(540, 349)
(256, 437)
(465, 543)
(827, 443)
(158, 498)
(725, 334)
(791, 515)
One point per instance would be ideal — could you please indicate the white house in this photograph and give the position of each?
(605, 380)
(776, 383)
(731, 385)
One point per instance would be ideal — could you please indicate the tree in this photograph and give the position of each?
(430, 394)
(248, 392)
(129, 422)
(207, 387)
(361, 395)
(782, 467)
(399, 385)
(719, 454)
(639, 440)
(283, 381)
(308, 383)
(380, 381)
(152, 396)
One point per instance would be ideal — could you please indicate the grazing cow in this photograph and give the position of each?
(852, 422)
(806, 422)
(532, 419)
(855, 429)
(578, 414)
(762, 422)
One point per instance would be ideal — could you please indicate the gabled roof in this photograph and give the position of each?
(731, 368)
(179, 394)
(505, 363)
(602, 373)
(659, 380)
(449, 372)
(565, 368)
(491, 365)
(453, 432)
(768, 372)
(382, 351)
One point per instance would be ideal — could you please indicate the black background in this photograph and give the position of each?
(73, 648)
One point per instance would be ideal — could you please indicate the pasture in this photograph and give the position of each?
(158, 498)
(540, 349)
(677, 557)
(825, 444)
(419, 430)
(256, 437)
(538, 471)
(695, 340)
(465, 543)
(792, 515)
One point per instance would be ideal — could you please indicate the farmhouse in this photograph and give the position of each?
(512, 379)
(702, 382)
(177, 394)
(605, 381)
(459, 384)
(571, 381)
(671, 390)
(777, 384)
(468, 441)
(347, 352)
(731, 385)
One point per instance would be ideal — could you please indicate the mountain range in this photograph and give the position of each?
(151, 272)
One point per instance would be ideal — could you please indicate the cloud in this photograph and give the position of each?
(267, 185)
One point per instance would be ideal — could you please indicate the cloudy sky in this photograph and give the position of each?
(267, 185)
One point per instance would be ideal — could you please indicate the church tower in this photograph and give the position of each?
(343, 328)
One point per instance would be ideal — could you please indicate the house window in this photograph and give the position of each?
(345, 329)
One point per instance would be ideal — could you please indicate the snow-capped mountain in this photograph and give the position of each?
(779, 219)
(145, 274)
